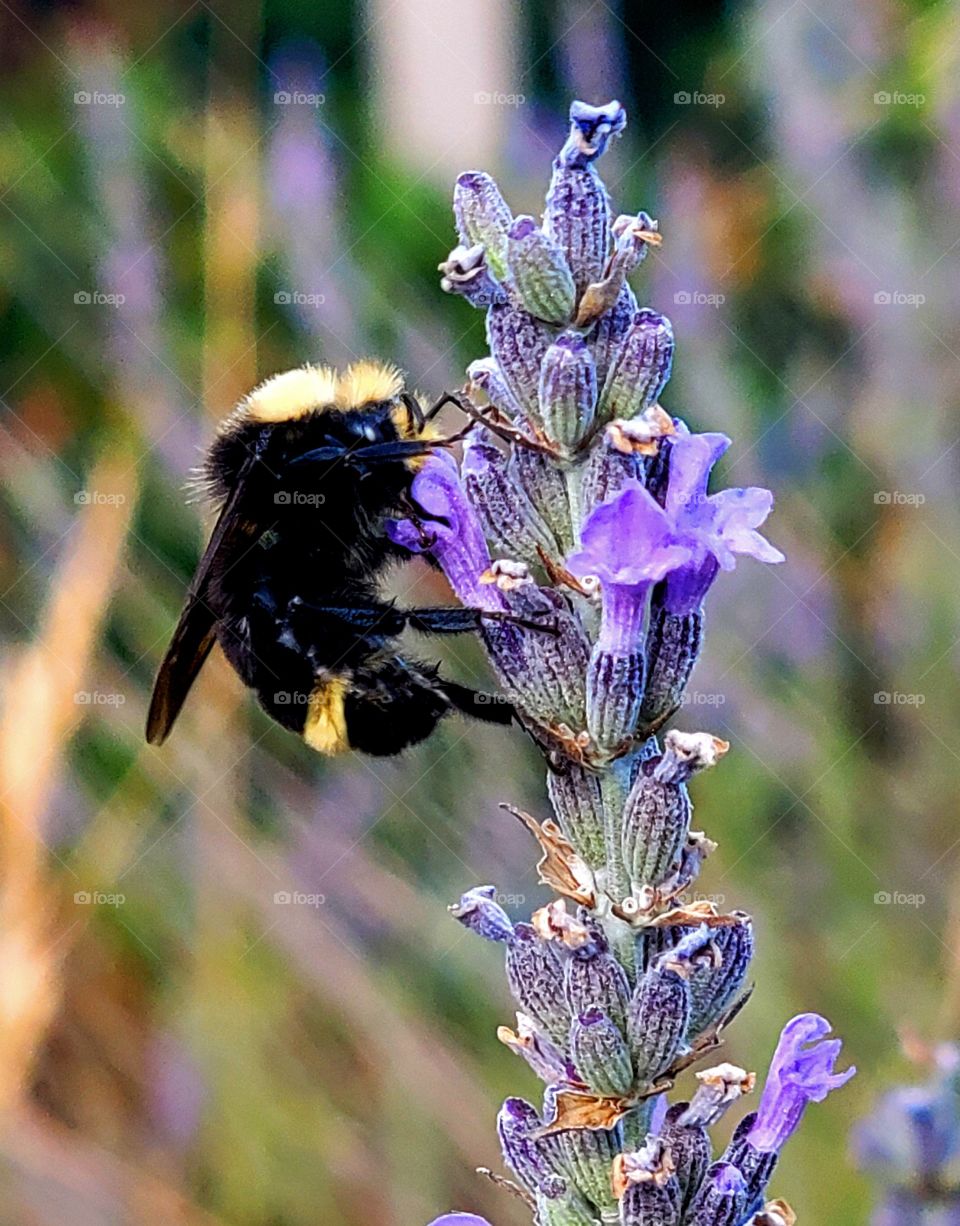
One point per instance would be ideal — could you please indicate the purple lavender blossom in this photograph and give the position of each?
(716, 527)
(450, 531)
(628, 544)
(801, 1072)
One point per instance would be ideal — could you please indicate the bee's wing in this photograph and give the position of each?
(196, 629)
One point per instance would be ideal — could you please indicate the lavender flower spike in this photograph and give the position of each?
(801, 1072)
(593, 517)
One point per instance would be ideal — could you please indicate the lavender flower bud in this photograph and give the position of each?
(483, 217)
(577, 213)
(465, 272)
(611, 330)
(673, 648)
(640, 367)
(645, 1204)
(714, 989)
(568, 1209)
(486, 374)
(600, 1054)
(606, 473)
(509, 519)
(543, 483)
(536, 978)
(540, 1052)
(756, 1166)
(594, 979)
(656, 822)
(588, 1155)
(539, 273)
(723, 1199)
(577, 800)
(614, 689)
(690, 1150)
(568, 390)
(632, 235)
(479, 911)
(531, 1159)
(519, 343)
(542, 673)
(657, 1020)
(644, 1180)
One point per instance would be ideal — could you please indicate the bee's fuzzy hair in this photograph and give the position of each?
(294, 393)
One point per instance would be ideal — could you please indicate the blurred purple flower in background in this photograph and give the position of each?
(910, 1143)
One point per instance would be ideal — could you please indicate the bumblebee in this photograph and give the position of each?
(306, 470)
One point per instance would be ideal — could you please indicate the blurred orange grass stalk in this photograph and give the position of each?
(39, 715)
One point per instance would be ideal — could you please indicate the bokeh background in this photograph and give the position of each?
(195, 195)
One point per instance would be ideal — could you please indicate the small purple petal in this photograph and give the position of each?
(692, 457)
(460, 1219)
(629, 542)
(451, 523)
(736, 515)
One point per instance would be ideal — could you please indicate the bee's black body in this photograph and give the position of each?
(306, 475)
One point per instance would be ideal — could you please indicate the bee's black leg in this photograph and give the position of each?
(381, 619)
(387, 620)
(457, 620)
(492, 419)
(478, 704)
